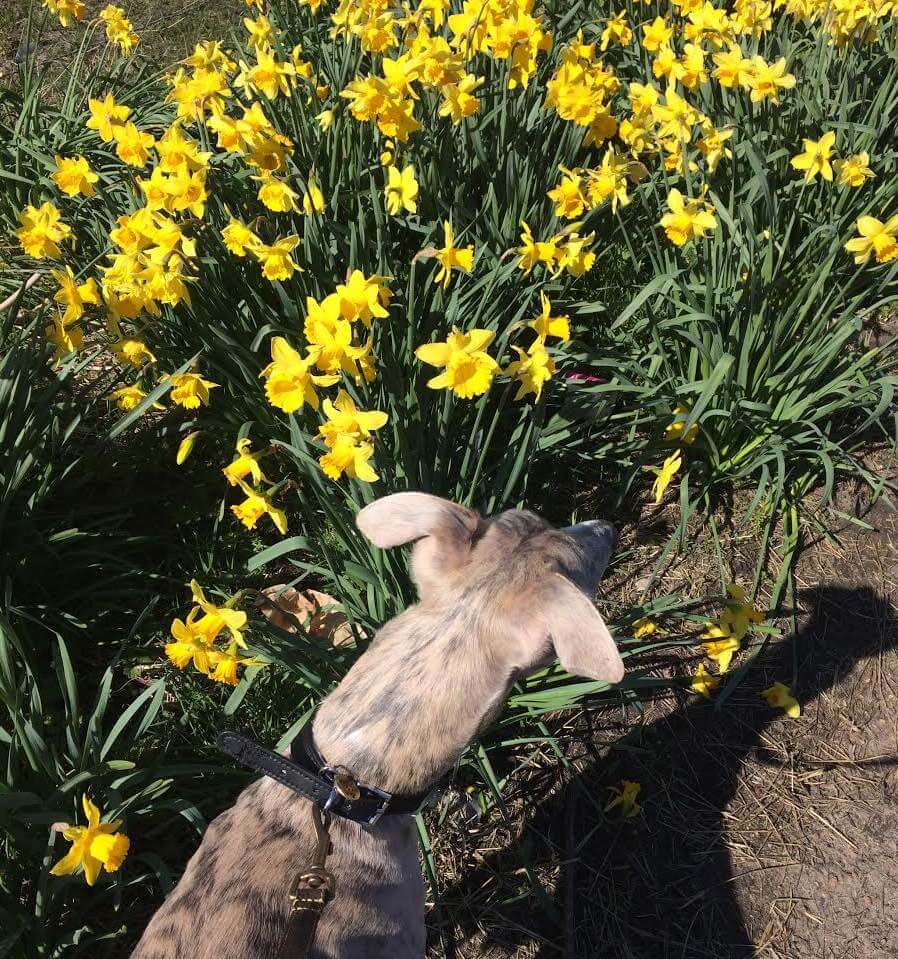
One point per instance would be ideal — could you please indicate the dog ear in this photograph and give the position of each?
(578, 633)
(442, 532)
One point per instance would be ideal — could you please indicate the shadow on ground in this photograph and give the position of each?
(672, 882)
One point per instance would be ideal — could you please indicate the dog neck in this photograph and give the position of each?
(412, 702)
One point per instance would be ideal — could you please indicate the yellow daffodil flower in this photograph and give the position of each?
(67, 338)
(876, 237)
(225, 663)
(68, 11)
(617, 31)
(401, 191)
(452, 257)
(739, 614)
(74, 296)
(815, 158)
(468, 370)
(244, 464)
(41, 231)
(656, 34)
(239, 238)
(190, 390)
(363, 297)
(289, 382)
(134, 352)
(119, 29)
(216, 618)
(459, 100)
(623, 799)
(330, 336)
(127, 398)
(665, 474)
(532, 369)
(191, 644)
(277, 262)
(765, 80)
(73, 175)
(779, 696)
(186, 447)
(256, 505)
(107, 117)
(854, 170)
(349, 455)
(688, 218)
(644, 627)
(313, 199)
(720, 645)
(547, 325)
(703, 682)
(96, 846)
(345, 419)
(676, 431)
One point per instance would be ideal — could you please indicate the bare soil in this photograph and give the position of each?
(760, 836)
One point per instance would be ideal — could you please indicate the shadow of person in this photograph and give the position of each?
(664, 884)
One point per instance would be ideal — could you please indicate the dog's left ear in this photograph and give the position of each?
(442, 532)
(566, 617)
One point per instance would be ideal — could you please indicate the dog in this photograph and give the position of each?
(498, 599)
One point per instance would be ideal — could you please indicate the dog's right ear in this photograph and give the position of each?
(442, 532)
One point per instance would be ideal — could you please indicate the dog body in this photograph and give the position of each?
(498, 599)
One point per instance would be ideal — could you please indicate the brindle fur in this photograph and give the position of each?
(498, 599)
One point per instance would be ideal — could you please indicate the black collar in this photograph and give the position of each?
(306, 773)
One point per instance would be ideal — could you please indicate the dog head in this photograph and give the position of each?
(530, 585)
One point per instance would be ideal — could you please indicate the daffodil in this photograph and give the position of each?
(644, 627)
(133, 351)
(617, 31)
(119, 29)
(765, 80)
(547, 325)
(733, 69)
(96, 846)
(349, 455)
(531, 251)
(877, 237)
(191, 644)
(688, 218)
(532, 369)
(401, 191)
(656, 34)
(568, 194)
(363, 297)
(68, 338)
(186, 447)
(73, 175)
(452, 257)
(739, 614)
(623, 799)
(41, 231)
(190, 390)
(244, 464)
(277, 195)
(815, 158)
(344, 418)
(239, 238)
(216, 618)
(68, 11)
(289, 381)
(720, 645)
(459, 99)
(127, 398)
(665, 474)
(468, 370)
(779, 696)
(330, 336)
(676, 431)
(225, 663)
(276, 258)
(107, 117)
(133, 145)
(313, 199)
(703, 682)
(256, 505)
(854, 170)
(74, 296)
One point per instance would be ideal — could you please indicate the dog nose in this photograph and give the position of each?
(601, 528)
